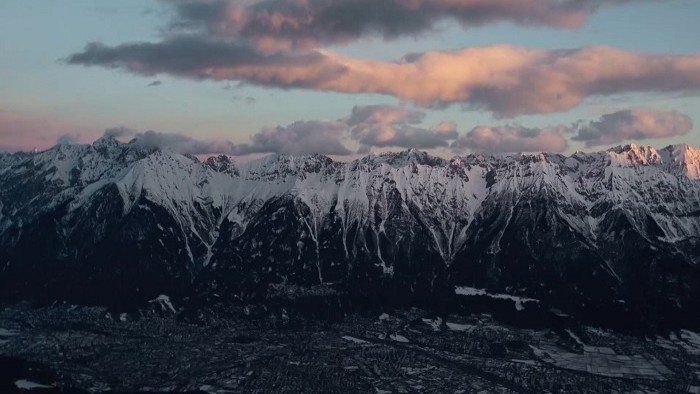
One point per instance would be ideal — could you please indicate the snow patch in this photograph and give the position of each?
(4, 332)
(472, 291)
(164, 301)
(23, 384)
(460, 327)
(435, 324)
(354, 340)
(399, 338)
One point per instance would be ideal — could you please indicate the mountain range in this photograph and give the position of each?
(603, 235)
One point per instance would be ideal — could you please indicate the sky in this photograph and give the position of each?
(348, 77)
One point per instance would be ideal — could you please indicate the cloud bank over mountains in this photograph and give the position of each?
(386, 126)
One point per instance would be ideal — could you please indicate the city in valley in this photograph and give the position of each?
(224, 349)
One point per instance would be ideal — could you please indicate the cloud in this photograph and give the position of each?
(278, 24)
(505, 80)
(369, 115)
(446, 129)
(391, 126)
(507, 139)
(181, 143)
(298, 138)
(155, 83)
(370, 126)
(188, 56)
(67, 139)
(303, 137)
(118, 132)
(633, 124)
(247, 99)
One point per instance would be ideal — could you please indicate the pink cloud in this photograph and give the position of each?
(507, 139)
(273, 25)
(369, 126)
(391, 126)
(445, 128)
(634, 124)
(505, 80)
(302, 137)
(627, 125)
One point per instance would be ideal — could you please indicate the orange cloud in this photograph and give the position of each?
(505, 80)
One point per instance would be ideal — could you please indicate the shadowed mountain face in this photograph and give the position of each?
(600, 234)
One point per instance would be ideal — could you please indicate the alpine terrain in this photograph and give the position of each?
(611, 236)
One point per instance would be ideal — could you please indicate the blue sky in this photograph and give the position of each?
(37, 83)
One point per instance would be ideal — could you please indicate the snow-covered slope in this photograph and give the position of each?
(516, 223)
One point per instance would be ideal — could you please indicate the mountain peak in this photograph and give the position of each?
(222, 163)
(686, 158)
(403, 158)
(106, 142)
(633, 155)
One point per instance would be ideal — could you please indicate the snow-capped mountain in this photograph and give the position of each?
(117, 223)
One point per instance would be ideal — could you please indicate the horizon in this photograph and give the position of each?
(237, 159)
